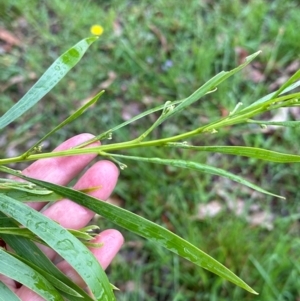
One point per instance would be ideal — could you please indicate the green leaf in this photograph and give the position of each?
(64, 243)
(147, 229)
(17, 270)
(71, 118)
(52, 279)
(17, 231)
(30, 252)
(251, 152)
(292, 124)
(135, 118)
(36, 195)
(291, 84)
(6, 294)
(47, 81)
(199, 167)
(26, 192)
(208, 86)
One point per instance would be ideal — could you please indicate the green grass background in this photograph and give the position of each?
(154, 51)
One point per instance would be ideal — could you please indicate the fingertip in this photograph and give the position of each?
(103, 173)
(112, 241)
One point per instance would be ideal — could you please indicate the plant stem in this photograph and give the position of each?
(236, 118)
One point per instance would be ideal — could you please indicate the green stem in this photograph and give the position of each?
(226, 121)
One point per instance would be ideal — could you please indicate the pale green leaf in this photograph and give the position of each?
(208, 86)
(68, 120)
(64, 243)
(30, 252)
(47, 81)
(251, 152)
(6, 294)
(199, 167)
(292, 124)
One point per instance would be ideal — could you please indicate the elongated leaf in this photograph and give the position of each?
(268, 99)
(251, 152)
(71, 118)
(17, 231)
(208, 86)
(47, 81)
(65, 244)
(26, 192)
(147, 229)
(23, 195)
(6, 294)
(135, 118)
(30, 252)
(288, 83)
(17, 270)
(292, 124)
(200, 167)
(53, 280)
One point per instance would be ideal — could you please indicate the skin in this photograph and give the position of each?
(70, 215)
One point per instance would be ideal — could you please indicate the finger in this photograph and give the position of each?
(112, 241)
(9, 282)
(103, 174)
(57, 170)
(60, 170)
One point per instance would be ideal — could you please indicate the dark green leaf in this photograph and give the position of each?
(147, 229)
(17, 270)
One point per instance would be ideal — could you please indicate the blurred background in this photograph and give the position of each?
(151, 52)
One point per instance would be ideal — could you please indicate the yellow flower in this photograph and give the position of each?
(97, 30)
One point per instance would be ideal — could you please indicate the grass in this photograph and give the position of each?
(152, 52)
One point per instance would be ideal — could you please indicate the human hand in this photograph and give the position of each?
(62, 170)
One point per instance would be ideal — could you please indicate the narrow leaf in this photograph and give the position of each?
(17, 270)
(26, 192)
(6, 294)
(135, 118)
(147, 229)
(30, 195)
(251, 152)
(71, 118)
(292, 124)
(52, 279)
(268, 99)
(47, 81)
(209, 85)
(288, 83)
(30, 252)
(200, 167)
(64, 243)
